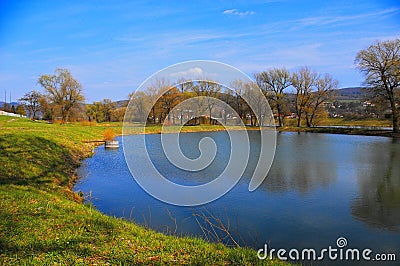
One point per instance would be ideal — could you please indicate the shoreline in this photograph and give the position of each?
(345, 130)
(43, 221)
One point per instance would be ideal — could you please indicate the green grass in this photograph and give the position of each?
(345, 122)
(360, 122)
(42, 222)
(156, 129)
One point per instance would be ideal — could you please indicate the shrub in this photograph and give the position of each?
(109, 134)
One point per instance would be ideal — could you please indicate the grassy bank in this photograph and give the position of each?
(346, 131)
(156, 129)
(368, 127)
(43, 222)
(356, 122)
(345, 122)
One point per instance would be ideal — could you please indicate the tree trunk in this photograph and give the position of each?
(154, 115)
(308, 121)
(278, 109)
(298, 113)
(311, 119)
(395, 116)
(63, 116)
(298, 120)
(314, 113)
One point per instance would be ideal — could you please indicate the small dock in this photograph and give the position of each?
(113, 144)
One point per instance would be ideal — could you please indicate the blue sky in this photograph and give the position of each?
(111, 47)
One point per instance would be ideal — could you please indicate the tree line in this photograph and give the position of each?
(63, 100)
(300, 95)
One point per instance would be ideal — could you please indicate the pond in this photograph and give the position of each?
(320, 187)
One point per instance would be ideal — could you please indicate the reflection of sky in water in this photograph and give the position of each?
(320, 187)
(189, 146)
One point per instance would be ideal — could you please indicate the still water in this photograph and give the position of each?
(320, 187)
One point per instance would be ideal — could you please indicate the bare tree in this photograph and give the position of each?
(108, 107)
(46, 108)
(227, 96)
(324, 91)
(168, 101)
(257, 105)
(273, 82)
(380, 63)
(210, 90)
(31, 101)
(64, 91)
(140, 103)
(154, 92)
(184, 87)
(303, 81)
(240, 105)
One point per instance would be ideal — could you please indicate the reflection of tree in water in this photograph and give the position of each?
(301, 164)
(378, 204)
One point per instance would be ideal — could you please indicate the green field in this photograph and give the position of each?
(345, 122)
(350, 122)
(42, 222)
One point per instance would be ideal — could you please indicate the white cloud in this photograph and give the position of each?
(191, 72)
(236, 12)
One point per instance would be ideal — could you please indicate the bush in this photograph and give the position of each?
(109, 134)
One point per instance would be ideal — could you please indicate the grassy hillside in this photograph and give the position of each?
(43, 222)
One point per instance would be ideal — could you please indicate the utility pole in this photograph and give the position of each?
(11, 110)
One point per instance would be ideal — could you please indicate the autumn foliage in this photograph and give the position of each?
(109, 134)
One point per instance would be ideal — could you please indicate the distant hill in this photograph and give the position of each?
(122, 103)
(343, 94)
(352, 93)
(12, 103)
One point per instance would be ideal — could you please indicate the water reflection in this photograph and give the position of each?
(378, 202)
(303, 162)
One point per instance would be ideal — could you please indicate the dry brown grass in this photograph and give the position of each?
(109, 134)
(87, 123)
